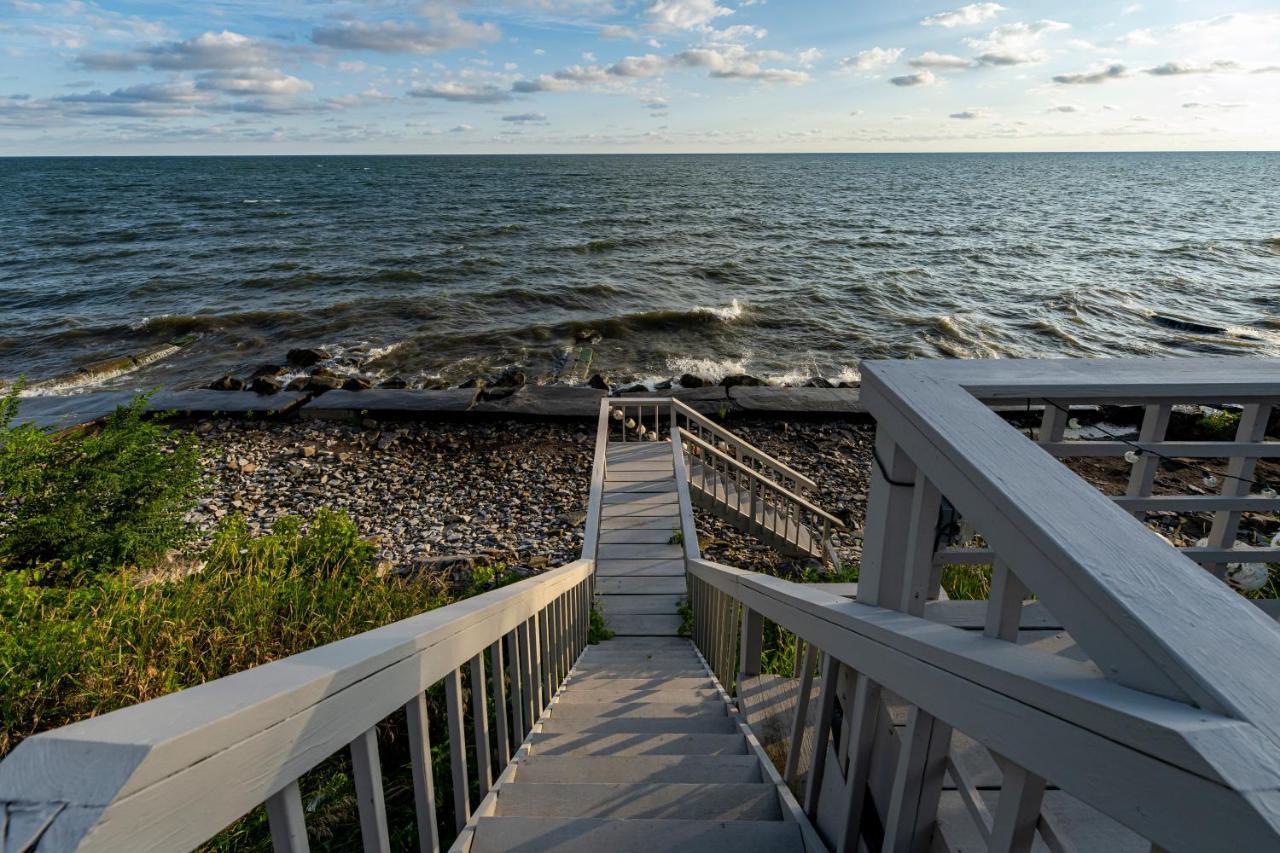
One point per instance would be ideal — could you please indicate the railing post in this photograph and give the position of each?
(501, 732)
(922, 537)
(752, 643)
(885, 534)
(862, 738)
(514, 676)
(526, 674)
(457, 749)
(917, 783)
(287, 821)
(792, 769)
(1155, 422)
(1017, 811)
(1240, 469)
(480, 723)
(373, 810)
(821, 734)
(424, 792)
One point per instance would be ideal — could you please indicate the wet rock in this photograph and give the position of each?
(511, 379)
(475, 382)
(356, 383)
(272, 370)
(688, 380)
(227, 383)
(664, 385)
(635, 389)
(298, 383)
(320, 384)
(307, 356)
(598, 382)
(395, 382)
(741, 379)
(266, 385)
(818, 382)
(326, 372)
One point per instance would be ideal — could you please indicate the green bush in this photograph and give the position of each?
(93, 500)
(1220, 426)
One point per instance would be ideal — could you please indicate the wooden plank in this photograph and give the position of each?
(640, 552)
(368, 776)
(480, 724)
(654, 536)
(1172, 449)
(917, 783)
(457, 750)
(644, 625)
(1017, 811)
(642, 568)
(424, 791)
(646, 604)
(502, 732)
(651, 522)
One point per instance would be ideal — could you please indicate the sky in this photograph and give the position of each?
(552, 76)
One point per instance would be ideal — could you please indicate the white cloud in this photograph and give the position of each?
(461, 128)
(444, 32)
(462, 92)
(1063, 108)
(1138, 38)
(931, 59)
(871, 59)
(1178, 69)
(205, 51)
(737, 33)
(809, 57)
(672, 15)
(253, 81)
(617, 31)
(920, 78)
(573, 77)
(965, 16)
(1114, 71)
(1015, 44)
(736, 62)
(969, 114)
(1194, 105)
(526, 118)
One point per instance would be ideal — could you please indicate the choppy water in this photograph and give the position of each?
(784, 266)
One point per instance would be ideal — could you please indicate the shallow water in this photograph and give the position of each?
(783, 266)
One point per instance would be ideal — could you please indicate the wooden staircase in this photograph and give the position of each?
(640, 751)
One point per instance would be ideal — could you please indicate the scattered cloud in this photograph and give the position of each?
(1177, 69)
(1111, 72)
(1063, 108)
(462, 92)
(444, 32)
(210, 50)
(969, 115)
(931, 59)
(871, 59)
(920, 78)
(253, 81)
(737, 62)
(965, 16)
(1138, 38)
(526, 118)
(674, 15)
(1195, 105)
(809, 57)
(1015, 44)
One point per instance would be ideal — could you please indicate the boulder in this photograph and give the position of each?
(740, 379)
(688, 380)
(511, 379)
(271, 370)
(598, 382)
(356, 383)
(475, 382)
(394, 382)
(227, 383)
(266, 385)
(298, 383)
(635, 389)
(818, 382)
(320, 384)
(664, 385)
(307, 356)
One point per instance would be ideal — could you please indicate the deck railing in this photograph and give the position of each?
(1157, 711)
(767, 509)
(740, 450)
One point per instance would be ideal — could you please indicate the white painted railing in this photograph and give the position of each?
(171, 773)
(740, 450)
(759, 505)
(1164, 719)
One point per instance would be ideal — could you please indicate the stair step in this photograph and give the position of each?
(591, 835)
(605, 710)
(644, 625)
(631, 585)
(719, 769)
(640, 568)
(661, 535)
(632, 685)
(650, 671)
(646, 695)
(622, 801)
(638, 725)
(638, 744)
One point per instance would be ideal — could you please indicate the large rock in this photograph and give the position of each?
(307, 356)
(272, 370)
(227, 383)
(322, 383)
(688, 380)
(356, 383)
(511, 379)
(598, 382)
(266, 385)
(738, 380)
(394, 382)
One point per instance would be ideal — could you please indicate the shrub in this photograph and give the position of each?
(93, 500)
(1220, 426)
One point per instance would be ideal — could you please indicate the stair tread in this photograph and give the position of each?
(639, 768)
(748, 801)
(637, 709)
(645, 743)
(636, 725)
(645, 835)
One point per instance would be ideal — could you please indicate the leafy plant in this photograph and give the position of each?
(597, 630)
(685, 610)
(1220, 426)
(93, 499)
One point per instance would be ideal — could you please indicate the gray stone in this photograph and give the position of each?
(227, 383)
(547, 401)
(598, 382)
(688, 380)
(356, 383)
(307, 356)
(741, 379)
(265, 385)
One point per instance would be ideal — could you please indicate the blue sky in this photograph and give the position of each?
(511, 76)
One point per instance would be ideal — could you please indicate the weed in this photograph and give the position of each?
(597, 631)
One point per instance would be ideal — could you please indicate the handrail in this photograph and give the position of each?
(595, 497)
(172, 772)
(1182, 777)
(755, 475)
(743, 447)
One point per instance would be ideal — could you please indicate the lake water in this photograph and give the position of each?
(783, 266)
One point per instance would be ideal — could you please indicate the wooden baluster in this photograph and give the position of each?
(544, 659)
(753, 526)
(922, 537)
(1155, 422)
(368, 775)
(804, 670)
(1240, 470)
(501, 732)
(1017, 811)
(1004, 609)
(287, 821)
(480, 723)
(526, 677)
(457, 749)
(517, 691)
(424, 792)
(917, 783)
(861, 739)
(821, 734)
(751, 646)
